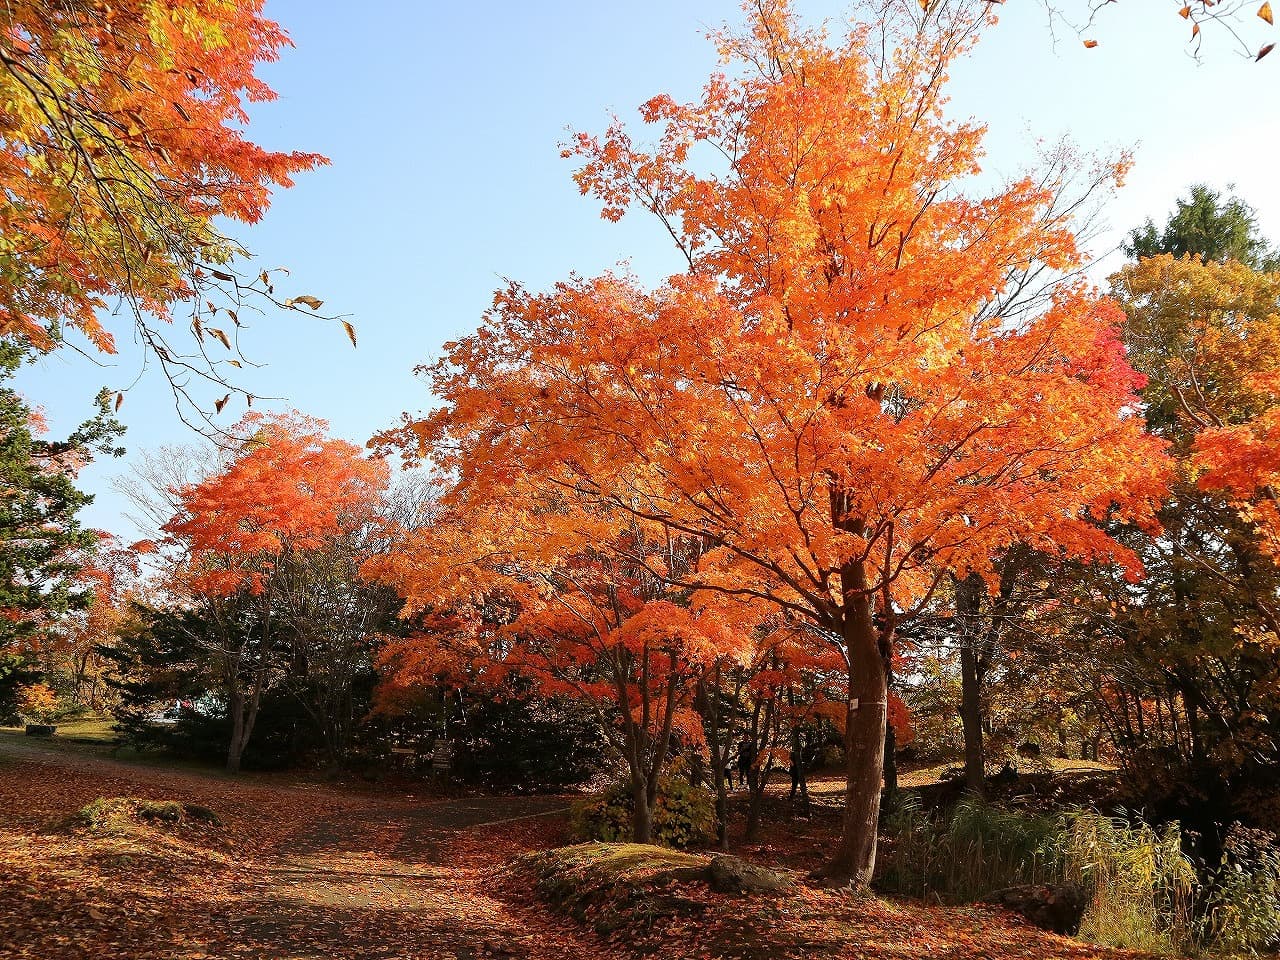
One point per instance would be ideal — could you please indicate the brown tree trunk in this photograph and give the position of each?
(890, 760)
(968, 599)
(854, 859)
(641, 813)
(243, 717)
(971, 718)
(709, 695)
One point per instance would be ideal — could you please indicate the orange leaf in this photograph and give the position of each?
(1090, 44)
(1185, 13)
(351, 332)
(1264, 12)
(119, 400)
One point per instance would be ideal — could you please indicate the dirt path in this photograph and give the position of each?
(296, 871)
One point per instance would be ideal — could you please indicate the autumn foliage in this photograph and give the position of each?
(290, 488)
(848, 394)
(243, 539)
(121, 147)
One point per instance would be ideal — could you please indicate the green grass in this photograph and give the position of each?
(606, 863)
(88, 730)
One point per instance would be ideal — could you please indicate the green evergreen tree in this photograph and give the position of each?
(1206, 223)
(42, 545)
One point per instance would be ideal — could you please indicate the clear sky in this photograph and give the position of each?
(442, 122)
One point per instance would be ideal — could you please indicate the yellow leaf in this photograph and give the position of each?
(234, 363)
(1264, 12)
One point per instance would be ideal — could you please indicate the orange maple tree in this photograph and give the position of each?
(122, 144)
(854, 390)
(290, 490)
(570, 598)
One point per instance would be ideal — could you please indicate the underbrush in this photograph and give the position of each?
(980, 849)
(683, 815)
(1139, 889)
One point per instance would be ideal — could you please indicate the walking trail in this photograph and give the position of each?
(296, 870)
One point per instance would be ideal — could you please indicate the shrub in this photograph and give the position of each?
(37, 702)
(1241, 913)
(529, 743)
(683, 815)
(283, 734)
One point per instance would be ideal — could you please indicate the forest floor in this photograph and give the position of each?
(301, 869)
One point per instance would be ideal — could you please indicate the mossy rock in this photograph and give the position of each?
(728, 874)
(120, 814)
(623, 875)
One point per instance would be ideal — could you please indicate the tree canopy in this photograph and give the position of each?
(847, 395)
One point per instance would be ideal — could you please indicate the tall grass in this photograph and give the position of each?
(1241, 911)
(979, 849)
(1142, 887)
(1142, 891)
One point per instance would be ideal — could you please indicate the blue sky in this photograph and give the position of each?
(442, 122)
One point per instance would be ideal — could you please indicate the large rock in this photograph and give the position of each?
(1056, 907)
(731, 875)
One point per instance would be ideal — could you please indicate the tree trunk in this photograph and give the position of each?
(890, 760)
(968, 598)
(854, 859)
(711, 710)
(971, 717)
(641, 813)
(243, 717)
(236, 747)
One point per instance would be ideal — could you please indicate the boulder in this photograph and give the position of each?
(1055, 907)
(730, 875)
